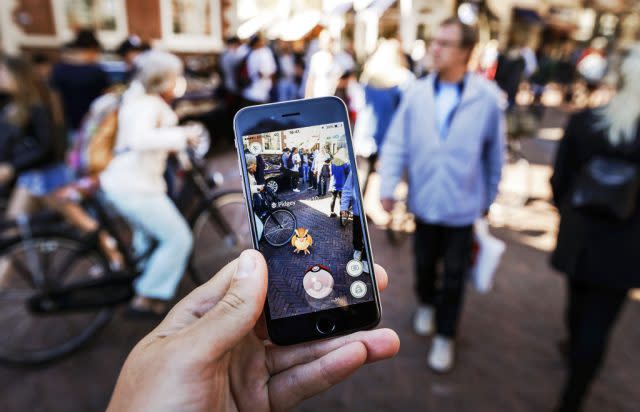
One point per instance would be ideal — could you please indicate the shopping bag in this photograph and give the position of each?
(259, 226)
(489, 250)
(364, 144)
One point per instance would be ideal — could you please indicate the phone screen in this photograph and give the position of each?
(307, 211)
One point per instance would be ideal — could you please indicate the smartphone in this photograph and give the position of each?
(305, 206)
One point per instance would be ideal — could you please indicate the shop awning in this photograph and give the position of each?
(300, 25)
(254, 25)
(337, 7)
(380, 6)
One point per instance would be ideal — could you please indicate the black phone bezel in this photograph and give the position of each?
(289, 115)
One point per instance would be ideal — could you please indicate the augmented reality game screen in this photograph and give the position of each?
(307, 215)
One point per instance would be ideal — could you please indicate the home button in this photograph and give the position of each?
(325, 325)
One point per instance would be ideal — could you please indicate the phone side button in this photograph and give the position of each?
(325, 325)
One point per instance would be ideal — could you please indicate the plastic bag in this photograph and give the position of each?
(487, 259)
(364, 144)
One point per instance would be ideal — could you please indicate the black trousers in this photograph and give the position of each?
(336, 194)
(295, 176)
(452, 247)
(590, 314)
(358, 240)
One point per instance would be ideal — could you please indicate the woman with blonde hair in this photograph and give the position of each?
(134, 183)
(33, 145)
(595, 185)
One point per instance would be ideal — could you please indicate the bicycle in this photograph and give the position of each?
(57, 290)
(279, 223)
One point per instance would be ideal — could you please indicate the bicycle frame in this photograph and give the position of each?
(118, 286)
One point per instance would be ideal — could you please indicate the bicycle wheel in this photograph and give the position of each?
(279, 227)
(214, 244)
(34, 266)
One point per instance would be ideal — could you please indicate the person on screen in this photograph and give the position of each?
(256, 189)
(350, 200)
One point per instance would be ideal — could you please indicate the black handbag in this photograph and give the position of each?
(608, 187)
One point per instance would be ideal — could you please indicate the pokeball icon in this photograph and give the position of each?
(318, 282)
(255, 148)
(358, 289)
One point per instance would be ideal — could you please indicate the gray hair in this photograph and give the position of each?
(619, 118)
(155, 70)
(250, 159)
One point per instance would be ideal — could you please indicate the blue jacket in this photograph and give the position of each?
(350, 196)
(452, 180)
(338, 176)
(383, 102)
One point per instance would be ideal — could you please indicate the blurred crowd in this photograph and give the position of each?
(436, 120)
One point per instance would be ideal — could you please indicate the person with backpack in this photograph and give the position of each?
(78, 78)
(133, 181)
(324, 177)
(595, 184)
(255, 72)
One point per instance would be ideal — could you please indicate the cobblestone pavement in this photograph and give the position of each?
(332, 247)
(507, 358)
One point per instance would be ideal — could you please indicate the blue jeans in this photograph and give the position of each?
(156, 215)
(305, 173)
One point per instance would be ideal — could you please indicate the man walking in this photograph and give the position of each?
(448, 133)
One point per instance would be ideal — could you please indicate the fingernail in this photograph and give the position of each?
(246, 265)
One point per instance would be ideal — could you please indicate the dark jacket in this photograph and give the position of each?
(260, 169)
(593, 248)
(36, 145)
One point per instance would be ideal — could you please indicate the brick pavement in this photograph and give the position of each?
(332, 248)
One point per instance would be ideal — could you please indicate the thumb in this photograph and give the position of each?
(235, 315)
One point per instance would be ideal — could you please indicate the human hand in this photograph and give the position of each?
(6, 172)
(387, 204)
(194, 134)
(210, 352)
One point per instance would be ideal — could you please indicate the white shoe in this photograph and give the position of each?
(423, 320)
(365, 266)
(442, 354)
(357, 255)
(296, 190)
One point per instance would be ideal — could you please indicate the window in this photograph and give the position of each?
(107, 17)
(100, 14)
(191, 25)
(272, 143)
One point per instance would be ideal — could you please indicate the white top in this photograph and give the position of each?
(228, 62)
(261, 65)
(324, 73)
(147, 132)
(447, 100)
(296, 162)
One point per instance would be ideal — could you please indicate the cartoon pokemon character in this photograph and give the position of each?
(302, 240)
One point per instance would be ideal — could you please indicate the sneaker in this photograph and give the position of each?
(365, 266)
(357, 255)
(296, 190)
(423, 320)
(441, 357)
(333, 214)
